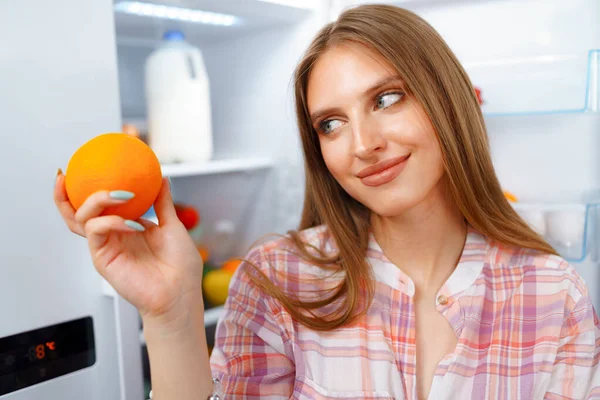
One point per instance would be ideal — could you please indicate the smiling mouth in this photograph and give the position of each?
(383, 172)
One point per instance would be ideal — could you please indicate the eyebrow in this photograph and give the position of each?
(382, 83)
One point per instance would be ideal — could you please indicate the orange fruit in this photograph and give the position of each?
(115, 161)
(204, 253)
(510, 197)
(231, 265)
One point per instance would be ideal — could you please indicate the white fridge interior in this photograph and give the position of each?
(253, 178)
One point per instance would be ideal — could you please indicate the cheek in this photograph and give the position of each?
(429, 170)
(424, 139)
(432, 153)
(419, 136)
(337, 158)
(430, 166)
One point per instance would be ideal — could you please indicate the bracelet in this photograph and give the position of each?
(216, 395)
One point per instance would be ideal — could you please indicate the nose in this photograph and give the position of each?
(368, 138)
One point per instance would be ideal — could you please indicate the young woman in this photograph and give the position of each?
(410, 277)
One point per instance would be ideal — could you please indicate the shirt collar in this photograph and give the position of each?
(469, 266)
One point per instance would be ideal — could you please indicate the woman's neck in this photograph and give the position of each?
(426, 242)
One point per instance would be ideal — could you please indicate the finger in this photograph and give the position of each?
(97, 202)
(64, 205)
(97, 229)
(164, 207)
(147, 223)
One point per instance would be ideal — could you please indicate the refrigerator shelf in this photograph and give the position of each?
(542, 85)
(216, 167)
(569, 227)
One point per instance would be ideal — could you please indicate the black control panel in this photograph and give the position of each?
(35, 356)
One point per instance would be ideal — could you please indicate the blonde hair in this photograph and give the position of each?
(436, 79)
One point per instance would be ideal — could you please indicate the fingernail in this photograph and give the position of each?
(58, 173)
(135, 225)
(121, 195)
(170, 183)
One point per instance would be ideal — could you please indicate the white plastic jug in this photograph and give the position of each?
(178, 102)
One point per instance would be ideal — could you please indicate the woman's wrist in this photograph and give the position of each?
(176, 322)
(179, 360)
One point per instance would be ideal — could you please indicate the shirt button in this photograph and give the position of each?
(443, 300)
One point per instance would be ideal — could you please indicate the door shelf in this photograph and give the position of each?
(539, 86)
(569, 227)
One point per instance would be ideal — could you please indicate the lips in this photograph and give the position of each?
(381, 166)
(383, 172)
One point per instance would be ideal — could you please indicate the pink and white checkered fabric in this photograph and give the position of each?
(525, 324)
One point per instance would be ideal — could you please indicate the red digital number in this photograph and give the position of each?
(40, 351)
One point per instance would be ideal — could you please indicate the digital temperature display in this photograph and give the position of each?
(42, 354)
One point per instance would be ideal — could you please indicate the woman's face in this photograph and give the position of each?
(376, 141)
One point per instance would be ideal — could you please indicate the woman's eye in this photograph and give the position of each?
(329, 125)
(388, 99)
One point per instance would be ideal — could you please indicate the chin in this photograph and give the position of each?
(388, 210)
(389, 205)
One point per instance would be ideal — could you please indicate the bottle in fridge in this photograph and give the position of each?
(178, 102)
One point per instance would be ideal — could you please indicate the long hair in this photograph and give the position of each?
(436, 79)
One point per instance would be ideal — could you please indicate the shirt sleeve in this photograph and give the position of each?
(252, 355)
(576, 372)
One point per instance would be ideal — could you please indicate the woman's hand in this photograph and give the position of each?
(157, 268)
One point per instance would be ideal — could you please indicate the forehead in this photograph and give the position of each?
(345, 70)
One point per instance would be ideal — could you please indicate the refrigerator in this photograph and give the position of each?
(71, 70)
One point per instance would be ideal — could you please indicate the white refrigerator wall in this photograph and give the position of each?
(58, 88)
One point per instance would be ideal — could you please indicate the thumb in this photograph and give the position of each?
(164, 207)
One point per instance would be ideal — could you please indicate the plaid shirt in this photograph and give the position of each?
(525, 324)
